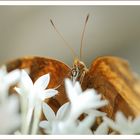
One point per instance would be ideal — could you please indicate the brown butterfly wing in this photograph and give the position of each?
(39, 66)
(113, 78)
(110, 76)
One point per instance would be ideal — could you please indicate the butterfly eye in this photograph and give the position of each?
(74, 72)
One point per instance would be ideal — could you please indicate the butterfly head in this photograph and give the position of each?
(78, 70)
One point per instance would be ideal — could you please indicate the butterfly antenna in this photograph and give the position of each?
(67, 45)
(82, 37)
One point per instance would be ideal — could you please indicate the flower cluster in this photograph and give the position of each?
(78, 116)
(32, 96)
(67, 119)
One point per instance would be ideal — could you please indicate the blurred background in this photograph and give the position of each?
(111, 30)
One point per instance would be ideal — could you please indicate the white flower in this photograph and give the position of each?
(82, 101)
(124, 125)
(58, 124)
(37, 92)
(69, 126)
(9, 116)
(72, 128)
(32, 96)
(47, 125)
(7, 80)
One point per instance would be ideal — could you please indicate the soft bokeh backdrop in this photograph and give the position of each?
(111, 30)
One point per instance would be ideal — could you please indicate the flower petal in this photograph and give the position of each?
(111, 123)
(96, 113)
(70, 90)
(48, 112)
(120, 118)
(78, 88)
(136, 125)
(26, 81)
(42, 82)
(44, 124)
(49, 93)
(87, 122)
(3, 71)
(62, 111)
(102, 129)
(88, 101)
(12, 77)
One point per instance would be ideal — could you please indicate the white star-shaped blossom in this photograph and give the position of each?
(9, 115)
(32, 96)
(59, 124)
(80, 103)
(7, 80)
(48, 125)
(124, 125)
(37, 92)
(73, 127)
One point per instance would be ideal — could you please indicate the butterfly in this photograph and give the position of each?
(109, 75)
